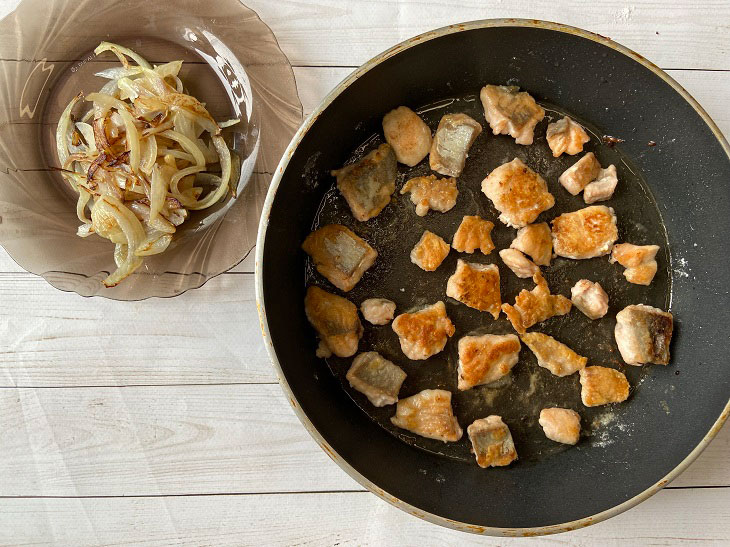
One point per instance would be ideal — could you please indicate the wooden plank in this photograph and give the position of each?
(52, 338)
(330, 32)
(670, 518)
(176, 440)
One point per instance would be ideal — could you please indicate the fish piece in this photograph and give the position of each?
(536, 241)
(339, 255)
(430, 251)
(552, 355)
(566, 136)
(603, 187)
(601, 386)
(491, 442)
(517, 262)
(590, 298)
(428, 414)
(518, 193)
(368, 184)
(335, 320)
(474, 233)
(376, 378)
(586, 233)
(510, 111)
(476, 285)
(532, 307)
(643, 334)
(486, 358)
(424, 333)
(378, 311)
(451, 143)
(408, 134)
(582, 172)
(431, 193)
(561, 425)
(639, 261)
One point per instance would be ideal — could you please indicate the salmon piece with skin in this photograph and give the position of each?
(586, 233)
(424, 333)
(491, 442)
(643, 334)
(368, 184)
(375, 377)
(476, 286)
(408, 134)
(474, 233)
(518, 193)
(339, 254)
(451, 143)
(487, 358)
(566, 136)
(510, 111)
(535, 306)
(335, 320)
(428, 414)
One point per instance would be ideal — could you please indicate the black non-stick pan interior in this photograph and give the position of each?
(680, 184)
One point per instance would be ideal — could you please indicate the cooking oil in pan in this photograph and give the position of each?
(520, 396)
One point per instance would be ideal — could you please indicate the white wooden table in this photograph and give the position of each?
(161, 422)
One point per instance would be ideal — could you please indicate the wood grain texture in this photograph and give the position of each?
(176, 440)
(332, 519)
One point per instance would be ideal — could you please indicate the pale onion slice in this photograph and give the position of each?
(132, 137)
(149, 154)
(155, 243)
(117, 72)
(169, 69)
(229, 123)
(185, 199)
(63, 130)
(84, 197)
(158, 190)
(177, 154)
(85, 230)
(115, 211)
(109, 46)
(225, 161)
(88, 133)
(188, 145)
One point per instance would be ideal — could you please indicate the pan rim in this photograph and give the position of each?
(260, 304)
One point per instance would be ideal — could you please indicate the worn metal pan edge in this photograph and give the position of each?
(430, 517)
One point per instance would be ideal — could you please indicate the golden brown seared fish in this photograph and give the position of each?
(590, 298)
(376, 378)
(368, 184)
(335, 320)
(475, 233)
(487, 358)
(603, 187)
(518, 193)
(566, 136)
(561, 425)
(408, 134)
(601, 386)
(477, 286)
(339, 255)
(451, 143)
(643, 334)
(431, 193)
(532, 307)
(510, 111)
(536, 241)
(430, 251)
(520, 265)
(552, 355)
(639, 261)
(491, 442)
(425, 332)
(586, 233)
(378, 311)
(582, 172)
(428, 414)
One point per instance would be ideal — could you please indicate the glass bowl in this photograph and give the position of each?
(232, 63)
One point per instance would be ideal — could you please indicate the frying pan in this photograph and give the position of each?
(677, 410)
